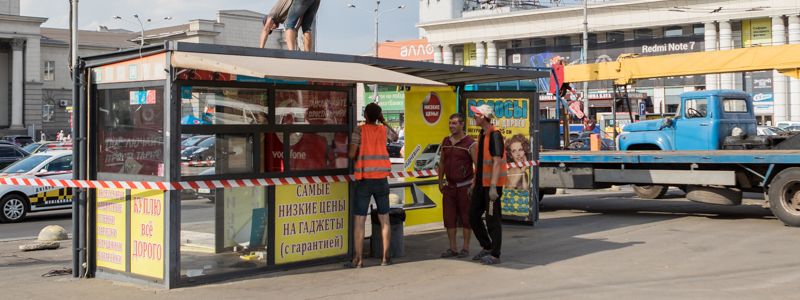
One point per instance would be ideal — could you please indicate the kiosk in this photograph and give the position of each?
(217, 117)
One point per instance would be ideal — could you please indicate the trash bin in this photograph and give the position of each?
(397, 216)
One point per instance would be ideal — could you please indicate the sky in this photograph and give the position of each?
(340, 29)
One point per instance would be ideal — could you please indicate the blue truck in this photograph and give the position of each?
(710, 149)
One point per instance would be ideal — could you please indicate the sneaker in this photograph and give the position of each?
(490, 260)
(463, 253)
(481, 254)
(449, 253)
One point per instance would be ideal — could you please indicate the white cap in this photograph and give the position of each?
(485, 111)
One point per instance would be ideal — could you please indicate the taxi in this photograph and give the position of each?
(17, 201)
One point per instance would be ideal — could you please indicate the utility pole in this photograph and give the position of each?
(77, 238)
(584, 55)
(377, 7)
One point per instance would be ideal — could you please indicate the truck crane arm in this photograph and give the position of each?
(628, 68)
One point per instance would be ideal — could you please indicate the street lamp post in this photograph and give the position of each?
(141, 25)
(378, 14)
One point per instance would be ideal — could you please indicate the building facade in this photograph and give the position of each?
(35, 76)
(529, 33)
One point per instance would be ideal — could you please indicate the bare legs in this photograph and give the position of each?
(291, 40)
(451, 235)
(358, 237)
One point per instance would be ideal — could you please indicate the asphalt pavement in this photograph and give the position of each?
(588, 245)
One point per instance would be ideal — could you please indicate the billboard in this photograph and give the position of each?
(604, 52)
(415, 50)
(756, 32)
(512, 119)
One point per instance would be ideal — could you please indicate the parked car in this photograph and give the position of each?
(583, 143)
(19, 140)
(200, 152)
(785, 124)
(17, 201)
(793, 128)
(772, 130)
(10, 153)
(193, 141)
(37, 147)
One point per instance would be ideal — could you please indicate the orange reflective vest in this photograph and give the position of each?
(488, 163)
(373, 158)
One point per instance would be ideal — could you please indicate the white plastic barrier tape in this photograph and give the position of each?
(203, 184)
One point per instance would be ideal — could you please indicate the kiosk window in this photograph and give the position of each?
(311, 107)
(308, 151)
(130, 131)
(213, 105)
(219, 154)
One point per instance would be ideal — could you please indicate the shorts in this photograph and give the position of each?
(307, 9)
(455, 207)
(366, 189)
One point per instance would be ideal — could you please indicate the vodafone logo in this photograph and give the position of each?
(432, 108)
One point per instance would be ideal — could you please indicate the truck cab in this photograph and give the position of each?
(706, 120)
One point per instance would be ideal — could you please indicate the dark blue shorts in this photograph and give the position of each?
(369, 188)
(307, 9)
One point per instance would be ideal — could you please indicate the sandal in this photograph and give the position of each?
(386, 262)
(351, 265)
(463, 253)
(490, 260)
(481, 254)
(449, 253)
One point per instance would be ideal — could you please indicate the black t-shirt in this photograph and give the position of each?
(495, 149)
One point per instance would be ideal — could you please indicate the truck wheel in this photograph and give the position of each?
(14, 207)
(784, 196)
(714, 195)
(650, 191)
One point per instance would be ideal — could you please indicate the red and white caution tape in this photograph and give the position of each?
(204, 184)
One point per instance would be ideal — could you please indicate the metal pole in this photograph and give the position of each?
(584, 55)
(76, 250)
(377, 6)
(614, 115)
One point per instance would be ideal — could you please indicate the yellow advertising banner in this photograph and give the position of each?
(427, 115)
(311, 221)
(111, 237)
(147, 233)
(512, 119)
(756, 32)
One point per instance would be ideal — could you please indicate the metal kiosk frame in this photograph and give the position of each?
(158, 86)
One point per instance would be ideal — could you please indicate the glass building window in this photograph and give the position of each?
(615, 37)
(672, 99)
(563, 41)
(698, 29)
(642, 34)
(673, 31)
(49, 70)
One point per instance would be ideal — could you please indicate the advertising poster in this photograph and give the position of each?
(147, 233)
(759, 86)
(512, 119)
(756, 32)
(110, 227)
(427, 113)
(311, 221)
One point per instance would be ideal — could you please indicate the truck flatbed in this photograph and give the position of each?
(673, 157)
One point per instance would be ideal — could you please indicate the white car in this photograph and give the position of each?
(17, 201)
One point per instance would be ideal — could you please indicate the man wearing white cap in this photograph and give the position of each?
(490, 177)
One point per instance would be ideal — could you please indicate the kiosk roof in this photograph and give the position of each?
(283, 64)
